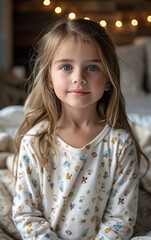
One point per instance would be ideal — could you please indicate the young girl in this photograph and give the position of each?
(77, 155)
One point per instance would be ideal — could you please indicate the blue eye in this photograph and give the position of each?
(92, 68)
(66, 67)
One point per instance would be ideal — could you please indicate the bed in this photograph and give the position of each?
(135, 71)
(135, 62)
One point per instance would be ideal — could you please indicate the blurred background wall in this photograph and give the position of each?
(21, 22)
(6, 35)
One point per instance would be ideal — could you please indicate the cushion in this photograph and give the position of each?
(11, 164)
(132, 68)
(143, 135)
(143, 222)
(146, 43)
(6, 222)
(10, 119)
(6, 147)
(8, 181)
(3, 158)
(6, 142)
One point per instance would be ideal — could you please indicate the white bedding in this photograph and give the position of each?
(138, 109)
(140, 119)
(135, 76)
(140, 104)
(10, 119)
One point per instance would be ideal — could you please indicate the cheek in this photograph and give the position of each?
(58, 82)
(99, 83)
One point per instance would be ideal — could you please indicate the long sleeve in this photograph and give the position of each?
(120, 214)
(27, 207)
(87, 193)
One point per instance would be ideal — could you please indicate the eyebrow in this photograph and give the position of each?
(64, 60)
(70, 60)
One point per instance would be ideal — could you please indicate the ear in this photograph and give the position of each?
(50, 84)
(107, 86)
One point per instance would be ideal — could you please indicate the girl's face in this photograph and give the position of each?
(77, 74)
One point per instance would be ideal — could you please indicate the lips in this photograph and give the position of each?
(78, 92)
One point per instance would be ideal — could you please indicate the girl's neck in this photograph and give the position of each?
(78, 119)
(78, 128)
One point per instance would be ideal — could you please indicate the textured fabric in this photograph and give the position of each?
(87, 193)
(8, 230)
(132, 67)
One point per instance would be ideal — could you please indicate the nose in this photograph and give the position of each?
(82, 81)
(79, 78)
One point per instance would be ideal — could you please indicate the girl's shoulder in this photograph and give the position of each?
(35, 131)
(119, 133)
(38, 128)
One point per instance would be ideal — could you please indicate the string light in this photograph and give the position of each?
(72, 15)
(46, 2)
(149, 18)
(58, 10)
(103, 23)
(118, 24)
(134, 22)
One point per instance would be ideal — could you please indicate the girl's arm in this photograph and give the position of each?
(120, 214)
(27, 208)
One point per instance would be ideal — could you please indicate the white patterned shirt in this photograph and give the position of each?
(87, 193)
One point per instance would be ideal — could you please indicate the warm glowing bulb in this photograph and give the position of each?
(87, 18)
(134, 22)
(103, 23)
(149, 18)
(58, 10)
(72, 15)
(118, 24)
(46, 2)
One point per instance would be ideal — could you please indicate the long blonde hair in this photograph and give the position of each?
(43, 104)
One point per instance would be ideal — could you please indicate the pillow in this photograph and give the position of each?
(11, 116)
(146, 43)
(6, 148)
(7, 143)
(3, 157)
(132, 67)
(11, 164)
(10, 119)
